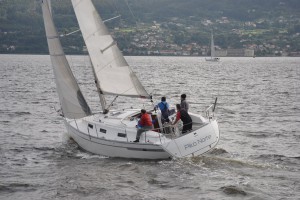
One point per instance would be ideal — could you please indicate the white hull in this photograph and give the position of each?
(114, 148)
(118, 137)
(214, 59)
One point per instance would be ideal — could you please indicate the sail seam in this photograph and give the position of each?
(52, 37)
(109, 64)
(61, 54)
(112, 44)
(90, 35)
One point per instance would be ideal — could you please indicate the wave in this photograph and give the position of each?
(214, 161)
(261, 134)
(281, 161)
(15, 187)
(266, 156)
(258, 135)
(233, 190)
(29, 148)
(13, 114)
(44, 148)
(229, 111)
(87, 155)
(23, 113)
(217, 151)
(161, 184)
(129, 167)
(277, 156)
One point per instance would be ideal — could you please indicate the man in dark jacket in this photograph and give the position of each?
(185, 118)
(184, 104)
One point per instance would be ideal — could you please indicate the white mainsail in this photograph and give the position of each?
(113, 74)
(71, 99)
(212, 46)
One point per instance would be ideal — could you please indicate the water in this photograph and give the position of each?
(258, 156)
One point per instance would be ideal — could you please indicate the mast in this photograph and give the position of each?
(99, 91)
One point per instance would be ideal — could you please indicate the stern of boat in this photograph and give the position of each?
(196, 142)
(204, 137)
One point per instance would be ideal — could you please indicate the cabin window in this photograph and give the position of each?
(90, 126)
(122, 134)
(102, 130)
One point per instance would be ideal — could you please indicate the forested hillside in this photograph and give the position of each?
(274, 24)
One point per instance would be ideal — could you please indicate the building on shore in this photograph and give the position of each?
(235, 53)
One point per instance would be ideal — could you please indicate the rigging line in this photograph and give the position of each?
(136, 21)
(112, 102)
(115, 5)
(107, 20)
(66, 34)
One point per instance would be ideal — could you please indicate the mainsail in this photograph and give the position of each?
(212, 47)
(113, 74)
(71, 99)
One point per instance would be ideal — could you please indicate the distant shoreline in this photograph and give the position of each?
(161, 55)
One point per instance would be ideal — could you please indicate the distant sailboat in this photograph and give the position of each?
(111, 132)
(213, 57)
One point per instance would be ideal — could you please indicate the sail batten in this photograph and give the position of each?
(72, 101)
(111, 69)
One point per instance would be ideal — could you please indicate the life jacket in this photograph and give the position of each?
(145, 120)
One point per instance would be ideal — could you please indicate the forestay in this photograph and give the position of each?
(71, 99)
(112, 72)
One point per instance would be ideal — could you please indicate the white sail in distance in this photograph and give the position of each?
(112, 72)
(71, 99)
(212, 47)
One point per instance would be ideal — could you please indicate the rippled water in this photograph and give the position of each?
(258, 156)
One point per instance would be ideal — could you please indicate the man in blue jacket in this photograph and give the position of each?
(164, 108)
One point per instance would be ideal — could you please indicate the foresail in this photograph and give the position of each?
(71, 99)
(111, 69)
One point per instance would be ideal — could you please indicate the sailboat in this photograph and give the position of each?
(112, 132)
(213, 57)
